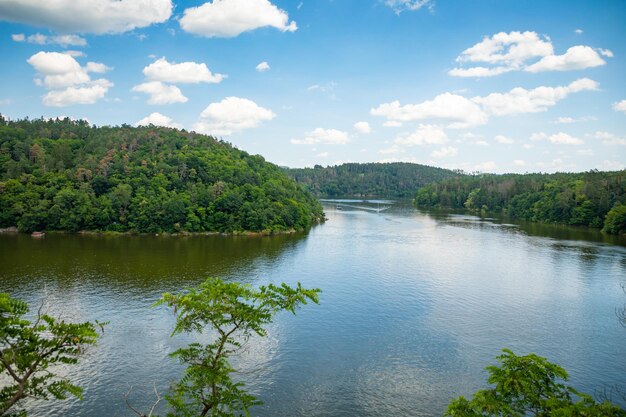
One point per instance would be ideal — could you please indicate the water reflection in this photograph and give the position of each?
(414, 306)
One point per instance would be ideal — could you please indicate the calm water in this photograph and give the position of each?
(414, 306)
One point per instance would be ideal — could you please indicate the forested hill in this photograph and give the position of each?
(67, 175)
(596, 199)
(367, 180)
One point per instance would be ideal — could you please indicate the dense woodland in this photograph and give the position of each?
(596, 199)
(368, 180)
(68, 175)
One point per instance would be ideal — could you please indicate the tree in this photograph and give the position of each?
(232, 313)
(28, 351)
(529, 386)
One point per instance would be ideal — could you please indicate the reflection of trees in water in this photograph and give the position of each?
(561, 232)
(135, 263)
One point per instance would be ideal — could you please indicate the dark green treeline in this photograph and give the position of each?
(596, 199)
(368, 180)
(68, 175)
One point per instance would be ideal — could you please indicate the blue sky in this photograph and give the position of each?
(494, 86)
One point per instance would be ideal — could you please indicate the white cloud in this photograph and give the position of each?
(230, 115)
(444, 152)
(392, 123)
(88, 94)
(479, 71)
(324, 136)
(488, 166)
(516, 51)
(578, 31)
(323, 155)
(362, 127)
(504, 140)
(519, 100)
(608, 138)
(263, 66)
(424, 135)
(568, 120)
(75, 54)
(585, 152)
(184, 72)
(620, 106)
(399, 6)
(557, 138)
(607, 165)
(508, 49)
(462, 112)
(62, 74)
(102, 16)
(158, 119)
(519, 163)
(229, 18)
(18, 37)
(458, 110)
(606, 52)
(160, 93)
(576, 57)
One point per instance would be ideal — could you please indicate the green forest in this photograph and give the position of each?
(368, 180)
(67, 175)
(595, 199)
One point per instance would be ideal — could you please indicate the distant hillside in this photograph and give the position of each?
(367, 180)
(67, 175)
(596, 199)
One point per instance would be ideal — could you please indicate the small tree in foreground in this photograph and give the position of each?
(232, 312)
(29, 349)
(529, 386)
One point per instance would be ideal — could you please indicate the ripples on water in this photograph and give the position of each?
(414, 306)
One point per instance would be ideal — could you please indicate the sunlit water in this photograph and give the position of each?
(414, 306)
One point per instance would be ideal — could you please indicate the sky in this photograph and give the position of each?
(483, 85)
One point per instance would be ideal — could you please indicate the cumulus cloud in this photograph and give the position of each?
(458, 110)
(444, 152)
(184, 72)
(557, 138)
(608, 138)
(399, 6)
(519, 100)
(102, 16)
(158, 119)
(576, 57)
(229, 18)
(39, 39)
(160, 93)
(69, 81)
(263, 66)
(461, 112)
(528, 51)
(363, 127)
(230, 115)
(323, 136)
(620, 106)
(88, 94)
(568, 120)
(424, 135)
(392, 123)
(505, 140)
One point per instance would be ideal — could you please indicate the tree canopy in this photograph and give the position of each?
(368, 180)
(68, 175)
(529, 386)
(596, 199)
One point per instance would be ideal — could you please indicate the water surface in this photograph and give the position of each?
(414, 306)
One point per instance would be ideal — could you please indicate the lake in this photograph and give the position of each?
(414, 306)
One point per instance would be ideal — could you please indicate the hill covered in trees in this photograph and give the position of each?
(68, 175)
(368, 180)
(596, 199)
